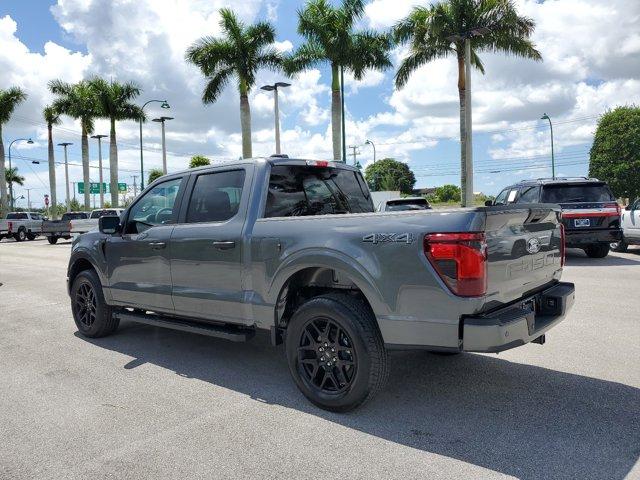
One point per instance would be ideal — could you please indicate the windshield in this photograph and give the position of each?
(309, 190)
(591, 192)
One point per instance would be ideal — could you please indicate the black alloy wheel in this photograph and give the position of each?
(85, 304)
(326, 357)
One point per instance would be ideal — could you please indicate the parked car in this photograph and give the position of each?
(57, 229)
(403, 204)
(590, 213)
(294, 248)
(80, 226)
(21, 226)
(630, 220)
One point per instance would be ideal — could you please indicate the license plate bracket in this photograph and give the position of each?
(582, 222)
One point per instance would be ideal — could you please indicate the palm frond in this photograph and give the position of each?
(416, 60)
(216, 84)
(9, 100)
(306, 56)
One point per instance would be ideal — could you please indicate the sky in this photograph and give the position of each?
(591, 63)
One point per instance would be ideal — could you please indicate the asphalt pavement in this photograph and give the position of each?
(148, 403)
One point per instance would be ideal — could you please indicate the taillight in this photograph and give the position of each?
(562, 246)
(10, 226)
(613, 205)
(318, 163)
(460, 259)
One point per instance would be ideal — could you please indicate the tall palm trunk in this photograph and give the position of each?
(4, 199)
(85, 169)
(463, 130)
(336, 117)
(113, 164)
(245, 120)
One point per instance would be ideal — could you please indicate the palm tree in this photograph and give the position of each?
(52, 117)
(78, 101)
(9, 99)
(434, 32)
(114, 103)
(331, 39)
(239, 54)
(11, 175)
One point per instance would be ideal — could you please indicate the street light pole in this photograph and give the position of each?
(100, 137)
(553, 161)
(344, 134)
(28, 198)
(274, 88)
(369, 142)
(66, 173)
(164, 143)
(29, 141)
(164, 105)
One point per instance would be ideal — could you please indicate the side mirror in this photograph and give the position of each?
(628, 207)
(488, 203)
(109, 224)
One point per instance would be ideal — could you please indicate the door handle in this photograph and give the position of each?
(224, 245)
(157, 245)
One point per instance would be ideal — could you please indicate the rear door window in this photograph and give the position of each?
(17, 216)
(216, 196)
(310, 190)
(577, 193)
(528, 195)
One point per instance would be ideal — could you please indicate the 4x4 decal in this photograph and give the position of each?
(376, 238)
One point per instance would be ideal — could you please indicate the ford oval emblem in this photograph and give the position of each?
(533, 245)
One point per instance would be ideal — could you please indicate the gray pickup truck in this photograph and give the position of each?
(294, 248)
(54, 230)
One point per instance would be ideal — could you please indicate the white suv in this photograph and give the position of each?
(630, 223)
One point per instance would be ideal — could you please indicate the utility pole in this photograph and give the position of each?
(553, 161)
(100, 137)
(355, 153)
(135, 186)
(28, 198)
(162, 120)
(66, 173)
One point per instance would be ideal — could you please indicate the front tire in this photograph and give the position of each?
(620, 246)
(52, 240)
(599, 250)
(335, 352)
(31, 236)
(93, 317)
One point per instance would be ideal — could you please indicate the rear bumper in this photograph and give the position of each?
(581, 238)
(518, 324)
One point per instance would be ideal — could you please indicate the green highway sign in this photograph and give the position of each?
(94, 187)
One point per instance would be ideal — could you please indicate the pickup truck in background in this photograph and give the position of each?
(294, 248)
(84, 225)
(630, 222)
(57, 229)
(403, 204)
(21, 226)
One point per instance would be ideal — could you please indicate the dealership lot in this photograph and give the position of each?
(153, 403)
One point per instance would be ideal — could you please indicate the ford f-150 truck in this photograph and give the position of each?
(86, 224)
(294, 248)
(21, 226)
(57, 229)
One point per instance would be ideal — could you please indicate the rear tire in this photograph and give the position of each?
(599, 250)
(52, 240)
(335, 352)
(21, 235)
(93, 317)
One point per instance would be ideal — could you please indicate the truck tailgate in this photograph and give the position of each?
(524, 251)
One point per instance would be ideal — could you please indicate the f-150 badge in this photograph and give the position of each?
(376, 238)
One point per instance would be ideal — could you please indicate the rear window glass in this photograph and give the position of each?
(598, 192)
(302, 191)
(17, 216)
(103, 213)
(400, 205)
(74, 216)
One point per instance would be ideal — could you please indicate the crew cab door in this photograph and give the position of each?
(631, 221)
(138, 259)
(207, 246)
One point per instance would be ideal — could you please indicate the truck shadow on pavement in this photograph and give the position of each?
(578, 258)
(516, 419)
